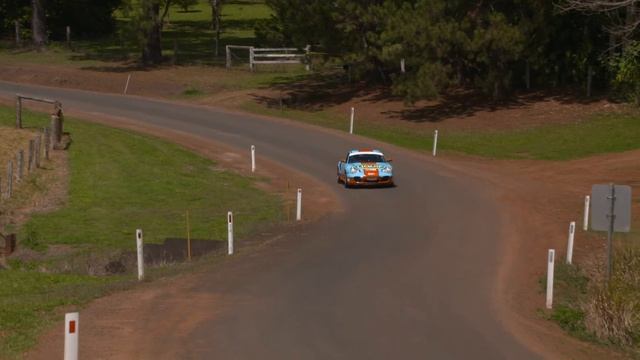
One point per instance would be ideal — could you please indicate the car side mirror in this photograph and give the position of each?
(389, 160)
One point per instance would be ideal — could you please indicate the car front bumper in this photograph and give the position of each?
(370, 181)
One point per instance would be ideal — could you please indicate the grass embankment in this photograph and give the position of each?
(593, 310)
(119, 181)
(606, 133)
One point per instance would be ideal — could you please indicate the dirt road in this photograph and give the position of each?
(407, 272)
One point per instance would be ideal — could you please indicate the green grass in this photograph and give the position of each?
(604, 133)
(29, 299)
(119, 181)
(570, 289)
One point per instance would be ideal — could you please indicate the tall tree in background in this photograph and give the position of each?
(147, 20)
(623, 13)
(216, 20)
(38, 24)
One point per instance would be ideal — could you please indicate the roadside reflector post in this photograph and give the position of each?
(126, 85)
(230, 232)
(253, 158)
(299, 206)
(572, 233)
(550, 267)
(71, 330)
(353, 115)
(435, 142)
(585, 221)
(139, 248)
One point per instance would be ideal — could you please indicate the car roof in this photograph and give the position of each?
(365, 152)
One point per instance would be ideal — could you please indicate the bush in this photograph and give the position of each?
(612, 312)
(626, 69)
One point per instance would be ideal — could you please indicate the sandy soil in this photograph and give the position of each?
(540, 198)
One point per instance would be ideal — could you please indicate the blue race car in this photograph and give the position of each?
(365, 167)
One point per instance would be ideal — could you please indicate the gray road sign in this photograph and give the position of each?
(601, 208)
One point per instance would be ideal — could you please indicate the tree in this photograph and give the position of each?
(623, 14)
(492, 46)
(147, 21)
(216, 19)
(38, 24)
(626, 68)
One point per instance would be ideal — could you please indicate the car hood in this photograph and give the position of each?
(370, 165)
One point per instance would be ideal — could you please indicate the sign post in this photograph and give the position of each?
(610, 212)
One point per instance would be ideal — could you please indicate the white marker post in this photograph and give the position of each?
(230, 232)
(126, 86)
(140, 247)
(572, 233)
(585, 221)
(435, 143)
(353, 115)
(71, 332)
(253, 158)
(299, 206)
(550, 266)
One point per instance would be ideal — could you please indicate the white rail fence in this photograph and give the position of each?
(270, 56)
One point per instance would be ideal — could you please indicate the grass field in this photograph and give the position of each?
(606, 133)
(120, 181)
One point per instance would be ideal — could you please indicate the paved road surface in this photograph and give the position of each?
(405, 273)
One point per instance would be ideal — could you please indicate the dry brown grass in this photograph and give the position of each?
(613, 311)
(12, 140)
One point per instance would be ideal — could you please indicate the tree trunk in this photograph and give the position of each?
(38, 24)
(216, 9)
(152, 50)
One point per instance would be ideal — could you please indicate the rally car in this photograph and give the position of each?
(365, 167)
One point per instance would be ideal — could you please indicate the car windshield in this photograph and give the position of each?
(365, 158)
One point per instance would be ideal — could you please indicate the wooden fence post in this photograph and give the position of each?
(47, 142)
(18, 112)
(38, 151)
(20, 164)
(527, 75)
(18, 39)
(228, 62)
(9, 179)
(69, 36)
(31, 150)
(251, 58)
(589, 79)
(56, 131)
(174, 59)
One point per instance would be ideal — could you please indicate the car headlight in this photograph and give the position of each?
(387, 168)
(353, 170)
